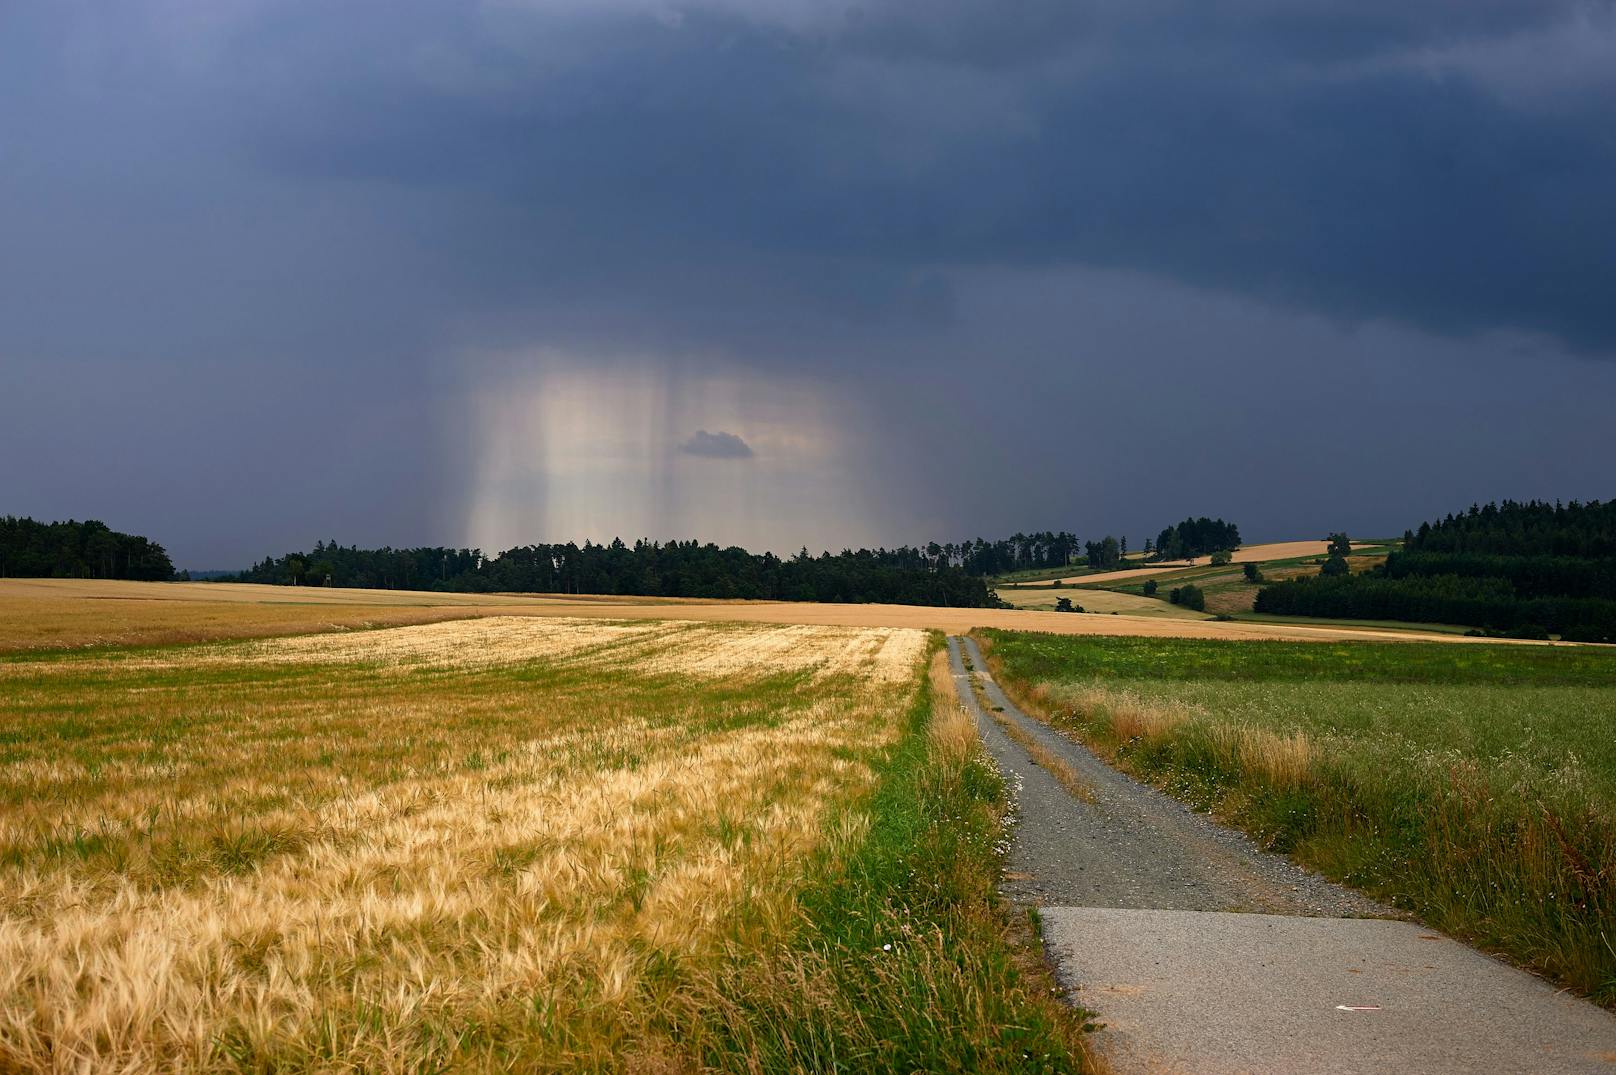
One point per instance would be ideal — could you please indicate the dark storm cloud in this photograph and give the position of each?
(277, 228)
(1361, 159)
(1331, 156)
(720, 445)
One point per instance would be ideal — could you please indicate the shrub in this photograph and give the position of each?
(1221, 557)
(1335, 566)
(1189, 595)
(1151, 588)
(1253, 573)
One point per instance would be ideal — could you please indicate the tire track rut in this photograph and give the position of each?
(1128, 845)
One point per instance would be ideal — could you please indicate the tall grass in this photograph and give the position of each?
(1475, 791)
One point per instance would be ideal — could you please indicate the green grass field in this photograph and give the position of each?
(509, 844)
(1380, 625)
(1474, 786)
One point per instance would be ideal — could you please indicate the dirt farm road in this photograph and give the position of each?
(1204, 954)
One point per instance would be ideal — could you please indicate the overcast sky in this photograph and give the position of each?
(783, 272)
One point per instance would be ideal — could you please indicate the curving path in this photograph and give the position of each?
(1148, 912)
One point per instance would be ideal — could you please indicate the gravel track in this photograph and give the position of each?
(1317, 981)
(1129, 845)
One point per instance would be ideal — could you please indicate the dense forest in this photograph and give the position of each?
(1194, 537)
(1523, 569)
(1534, 528)
(1531, 576)
(903, 576)
(75, 550)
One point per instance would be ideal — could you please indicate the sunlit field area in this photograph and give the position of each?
(1092, 600)
(505, 842)
(1474, 786)
(46, 614)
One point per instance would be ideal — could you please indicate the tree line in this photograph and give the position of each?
(906, 576)
(1527, 570)
(78, 550)
(1022, 552)
(1531, 528)
(1019, 552)
(1489, 605)
(1530, 576)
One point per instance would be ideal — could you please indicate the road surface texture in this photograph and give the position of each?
(1146, 907)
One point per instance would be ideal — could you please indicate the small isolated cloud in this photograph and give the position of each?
(718, 445)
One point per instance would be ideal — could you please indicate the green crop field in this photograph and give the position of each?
(1474, 786)
(508, 844)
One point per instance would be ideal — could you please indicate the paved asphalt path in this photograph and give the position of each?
(1147, 916)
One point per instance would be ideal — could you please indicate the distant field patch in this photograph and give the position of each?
(1103, 602)
(75, 622)
(44, 614)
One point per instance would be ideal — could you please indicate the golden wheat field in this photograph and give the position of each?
(499, 842)
(43, 614)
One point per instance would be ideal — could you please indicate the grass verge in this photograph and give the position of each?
(906, 959)
(1474, 788)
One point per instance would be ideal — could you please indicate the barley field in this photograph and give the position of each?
(506, 843)
(349, 849)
